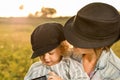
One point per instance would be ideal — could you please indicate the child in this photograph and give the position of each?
(48, 43)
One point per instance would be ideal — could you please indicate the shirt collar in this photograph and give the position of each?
(102, 62)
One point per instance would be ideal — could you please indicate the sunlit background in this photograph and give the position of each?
(18, 18)
(23, 8)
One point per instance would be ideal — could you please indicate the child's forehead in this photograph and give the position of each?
(57, 49)
(54, 51)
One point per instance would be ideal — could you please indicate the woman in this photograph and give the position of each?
(92, 32)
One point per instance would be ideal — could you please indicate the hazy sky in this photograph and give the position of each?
(10, 8)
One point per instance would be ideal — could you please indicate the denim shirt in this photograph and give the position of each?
(107, 67)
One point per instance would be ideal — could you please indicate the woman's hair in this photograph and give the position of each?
(98, 51)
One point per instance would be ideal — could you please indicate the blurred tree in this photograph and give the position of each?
(44, 12)
(47, 12)
(37, 14)
(21, 7)
(31, 15)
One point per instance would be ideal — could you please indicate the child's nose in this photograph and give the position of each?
(46, 56)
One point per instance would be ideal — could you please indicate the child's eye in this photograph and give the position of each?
(50, 53)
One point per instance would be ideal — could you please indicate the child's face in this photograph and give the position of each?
(52, 57)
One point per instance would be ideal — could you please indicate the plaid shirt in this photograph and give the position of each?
(67, 69)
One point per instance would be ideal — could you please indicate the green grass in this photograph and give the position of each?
(14, 51)
(15, 48)
(116, 48)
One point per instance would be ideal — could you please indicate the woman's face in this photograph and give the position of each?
(83, 51)
(52, 57)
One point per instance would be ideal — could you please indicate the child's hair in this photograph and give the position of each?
(65, 48)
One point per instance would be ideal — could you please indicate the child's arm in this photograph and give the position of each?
(40, 78)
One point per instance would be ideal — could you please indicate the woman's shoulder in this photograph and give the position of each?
(110, 66)
(114, 60)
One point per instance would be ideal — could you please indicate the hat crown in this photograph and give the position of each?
(95, 25)
(99, 12)
(47, 34)
(96, 20)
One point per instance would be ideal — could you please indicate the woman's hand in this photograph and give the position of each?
(53, 76)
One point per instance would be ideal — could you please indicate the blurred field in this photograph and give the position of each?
(15, 48)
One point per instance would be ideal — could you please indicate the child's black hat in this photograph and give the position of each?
(46, 37)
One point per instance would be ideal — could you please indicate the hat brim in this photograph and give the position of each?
(44, 50)
(80, 41)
